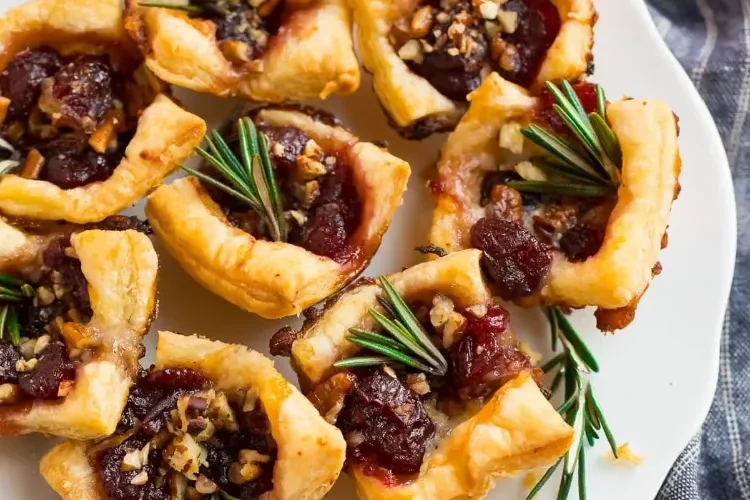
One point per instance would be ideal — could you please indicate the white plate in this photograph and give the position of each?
(658, 377)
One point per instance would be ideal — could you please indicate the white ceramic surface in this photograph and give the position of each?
(658, 377)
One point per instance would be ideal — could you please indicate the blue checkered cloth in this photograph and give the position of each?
(711, 38)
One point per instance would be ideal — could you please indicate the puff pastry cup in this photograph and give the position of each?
(511, 428)
(272, 278)
(266, 51)
(425, 59)
(101, 353)
(309, 453)
(614, 274)
(84, 173)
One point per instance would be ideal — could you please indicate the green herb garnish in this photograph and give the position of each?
(249, 178)
(580, 408)
(405, 340)
(193, 7)
(591, 160)
(10, 157)
(12, 291)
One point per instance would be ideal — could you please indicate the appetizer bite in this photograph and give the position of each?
(567, 195)
(262, 50)
(194, 429)
(85, 129)
(71, 324)
(288, 208)
(427, 56)
(442, 400)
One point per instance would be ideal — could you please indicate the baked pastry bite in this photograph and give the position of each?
(262, 50)
(286, 211)
(86, 129)
(427, 56)
(578, 222)
(71, 325)
(209, 420)
(452, 405)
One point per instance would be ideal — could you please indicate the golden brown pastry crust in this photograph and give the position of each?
(274, 279)
(620, 272)
(516, 429)
(123, 300)
(310, 57)
(166, 133)
(311, 452)
(409, 98)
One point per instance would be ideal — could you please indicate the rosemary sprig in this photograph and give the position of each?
(192, 7)
(249, 178)
(580, 408)
(11, 162)
(12, 291)
(593, 158)
(407, 342)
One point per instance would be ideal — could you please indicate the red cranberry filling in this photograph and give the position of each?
(40, 363)
(546, 116)
(321, 203)
(458, 43)
(486, 356)
(165, 400)
(69, 117)
(391, 423)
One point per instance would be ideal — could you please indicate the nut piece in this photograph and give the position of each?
(511, 137)
(140, 479)
(251, 399)
(241, 474)
(411, 51)
(418, 383)
(442, 307)
(65, 387)
(252, 456)
(312, 150)
(489, 10)
(45, 296)
(309, 169)
(421, 23)
(205, 485)
(131, 461)
(41, 343)
(9, 393)
(477, 310)
(529, 172)
(508, 20)
(454, 325)
(24, 366)
(185, 455)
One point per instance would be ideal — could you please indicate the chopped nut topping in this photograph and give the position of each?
(311, 192)
(277, 149)
(411, 51)
(241, 474)
(184, 454)
(418, 383)
(453, 51)
(477, 310)
(131, 461)
(64, 388)
(421, 22)
(223, 414)
(24, 366)
(330, 161)
(252, 457)
(309, 169)
(26, 348)
(454, 325)
(312, 150)
(140, 479)
(71, 252)
(41, 343)
(251, 399)
(489, 9)
(354, 439)
(529, 172)
(45, 296)
(389, 371)
(299, 217)
(508, 20)
(205, 486)
(442, 307)
(511, 137)
(443, 18)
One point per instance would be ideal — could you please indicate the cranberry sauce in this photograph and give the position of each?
(39, 364)
(546, 116)
(455, 43)
(180, 436)
(68, 118)
(386, 413)
(322, 207)
(252, 25)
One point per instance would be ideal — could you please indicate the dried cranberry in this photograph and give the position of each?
(118, 483)
(513, 257)
(34, 319)
(392, 421)
(80, 94)
(291, 140)
(176, 378)
(71, 164)
(54, 257)
(453, 74)
(242, 23)
(546, 115)
(53, 366)
(581, 242)
(538, 26)
(485, 357)
(21, 79)
(8, 358)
